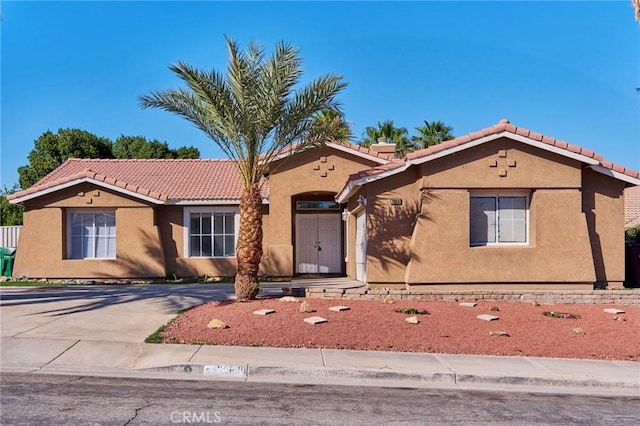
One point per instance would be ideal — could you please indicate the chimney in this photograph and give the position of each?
(383, 147)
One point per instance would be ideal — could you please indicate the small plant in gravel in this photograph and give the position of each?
(412, 311)
(156, 336)
(562, 315)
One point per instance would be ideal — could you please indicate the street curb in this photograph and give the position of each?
(540, 381)
(338, 373)
(346, 377)
(292, 373)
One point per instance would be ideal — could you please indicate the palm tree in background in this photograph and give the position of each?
(389, 133)
(432, 133)
(252, 113)
(332, 121)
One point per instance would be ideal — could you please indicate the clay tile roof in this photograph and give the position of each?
(632, 207)
(176, 180)
(357, 149)
(505, 126)
(377, 170)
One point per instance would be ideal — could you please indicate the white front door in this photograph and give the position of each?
(361, 247)
(318, 243)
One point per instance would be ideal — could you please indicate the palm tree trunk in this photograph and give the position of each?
(249, 248)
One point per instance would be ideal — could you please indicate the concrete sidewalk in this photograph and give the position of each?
(317, 366)
(98, 330)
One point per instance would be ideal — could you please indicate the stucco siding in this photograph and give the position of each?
(436, 249)
(502, 164)
(310, 174)
(43, 249)
(558, 250)
(603, 204)
(390, 226)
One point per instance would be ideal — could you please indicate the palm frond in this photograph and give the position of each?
(253, 111)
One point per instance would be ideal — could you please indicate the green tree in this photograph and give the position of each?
(432, 133)
(251, 112)
(140, 147)
(10, 214)
(389, 133)
(186, 152)
(52, 149)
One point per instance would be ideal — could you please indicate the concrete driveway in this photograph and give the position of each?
(122, 313)
(111, 313)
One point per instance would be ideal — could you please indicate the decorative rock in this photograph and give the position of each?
(468, 304)
(305, 307)
(578, 330)
(216, 323)
(289, 299)
(388, 300)
(494, 309)
(487, 317)
(499, 333)
(614, 311)
(315, 320)
(264, 311)
(412, 320)
(339, 308)
(4, 279)
(619, 318)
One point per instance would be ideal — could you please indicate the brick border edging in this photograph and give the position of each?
(597, 297)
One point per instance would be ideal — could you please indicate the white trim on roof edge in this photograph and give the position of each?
(614, 174)
(510, 135)
(352, 187)
(83, 180)
(339, 147)
(350, 150)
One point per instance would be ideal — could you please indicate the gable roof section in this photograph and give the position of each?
(164, 181)
(155, 181)
(503, 129)
(632, 207)
(357, 150)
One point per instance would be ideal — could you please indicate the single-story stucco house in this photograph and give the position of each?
(500, 208)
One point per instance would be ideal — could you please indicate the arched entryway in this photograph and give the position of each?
(318, 233)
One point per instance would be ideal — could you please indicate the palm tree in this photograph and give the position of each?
(252, 112)
(432, 133)
(387, 131)
(332, 122)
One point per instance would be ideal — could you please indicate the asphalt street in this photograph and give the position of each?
(39, 399)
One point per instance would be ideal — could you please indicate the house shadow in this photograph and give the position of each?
(110, 289)
(391, 229)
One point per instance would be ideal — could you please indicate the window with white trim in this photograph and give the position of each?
(211, 233)
(498, 219)
(91, 234)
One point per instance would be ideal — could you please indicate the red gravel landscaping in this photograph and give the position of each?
(447, 328)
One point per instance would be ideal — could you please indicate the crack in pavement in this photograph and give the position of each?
(137, 411)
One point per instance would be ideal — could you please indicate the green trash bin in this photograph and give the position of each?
(7, 255)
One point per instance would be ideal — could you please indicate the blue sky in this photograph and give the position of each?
(565, 69)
